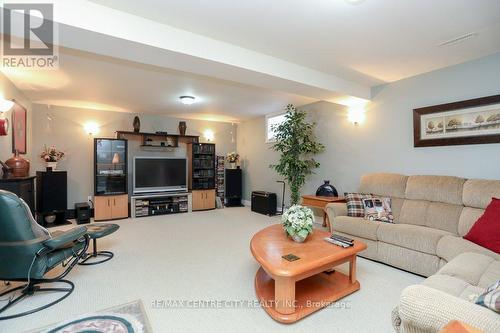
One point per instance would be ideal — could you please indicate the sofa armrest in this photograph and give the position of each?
(429, 310)
(64, 238)
(336, 209)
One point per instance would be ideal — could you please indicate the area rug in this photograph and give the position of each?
(125, 318)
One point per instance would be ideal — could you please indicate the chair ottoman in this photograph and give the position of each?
(96, 231)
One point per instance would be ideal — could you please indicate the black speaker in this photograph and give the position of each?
(51, 195)
(233, 187)
(82, 213)
(264, 202)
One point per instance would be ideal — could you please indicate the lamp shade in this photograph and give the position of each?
(116, 159)
(4, 126)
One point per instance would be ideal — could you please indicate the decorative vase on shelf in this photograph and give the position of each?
(52, 165)
(182, 128)
(327, 190)
(19, 166)
(232, 165)
(137, 124)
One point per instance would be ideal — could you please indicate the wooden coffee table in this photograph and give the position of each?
(289, 291)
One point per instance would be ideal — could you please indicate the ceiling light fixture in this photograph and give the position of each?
(187, 100)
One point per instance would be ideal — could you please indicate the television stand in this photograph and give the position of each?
(153, 204)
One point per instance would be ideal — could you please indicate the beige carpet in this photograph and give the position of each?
(205, 256)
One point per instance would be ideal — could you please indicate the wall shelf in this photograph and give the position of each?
(172, 140)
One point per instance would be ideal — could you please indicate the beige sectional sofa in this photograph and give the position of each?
(432, 214)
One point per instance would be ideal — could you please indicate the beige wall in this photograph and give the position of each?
(385, 141)
(9, 91)
(66, 132)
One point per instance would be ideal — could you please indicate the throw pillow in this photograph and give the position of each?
(486, 230)
(354, 202)
(491, 297)
(378, 209)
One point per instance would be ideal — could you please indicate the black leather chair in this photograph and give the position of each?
(28, 252)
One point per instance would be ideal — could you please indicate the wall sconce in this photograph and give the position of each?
(91, 128)
(5, 105)
(356, 115)
(209, 135)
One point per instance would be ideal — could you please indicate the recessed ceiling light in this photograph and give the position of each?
(354, 2)
(188, 100)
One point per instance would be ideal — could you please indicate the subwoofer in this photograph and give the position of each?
(264, 202)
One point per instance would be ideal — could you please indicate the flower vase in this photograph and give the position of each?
(232, 165)
(52, 165)
(298, 239)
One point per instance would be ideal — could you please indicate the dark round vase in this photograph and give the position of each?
(327, 190)
(137, 124)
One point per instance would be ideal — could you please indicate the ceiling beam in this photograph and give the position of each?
(102, 30)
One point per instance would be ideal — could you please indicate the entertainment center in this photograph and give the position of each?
(160, 184)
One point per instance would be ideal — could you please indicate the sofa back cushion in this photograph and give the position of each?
(384, 184)
(444, 189)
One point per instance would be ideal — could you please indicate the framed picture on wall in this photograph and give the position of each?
(474, 121)
(19, 129)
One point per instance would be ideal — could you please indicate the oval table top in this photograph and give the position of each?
(271, 243)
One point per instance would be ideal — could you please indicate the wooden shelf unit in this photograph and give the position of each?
(172, 140)
(202, 174)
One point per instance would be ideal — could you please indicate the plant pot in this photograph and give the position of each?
(52, 165)
(298, 239)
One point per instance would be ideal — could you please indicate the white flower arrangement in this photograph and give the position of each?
(298, 221)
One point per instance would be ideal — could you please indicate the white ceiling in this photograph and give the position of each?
(243, 59)
(103, 83)
(371, 42)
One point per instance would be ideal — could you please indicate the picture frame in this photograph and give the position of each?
(19, 139)
(473, 121)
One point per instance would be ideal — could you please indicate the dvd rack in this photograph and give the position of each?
(160, 204)
(221, 160)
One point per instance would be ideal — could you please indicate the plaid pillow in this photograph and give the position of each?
(491, 297)
(355, 207)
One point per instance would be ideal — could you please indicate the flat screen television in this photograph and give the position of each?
(160, 174)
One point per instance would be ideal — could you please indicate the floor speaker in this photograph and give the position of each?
(233, 187)
(51, 195)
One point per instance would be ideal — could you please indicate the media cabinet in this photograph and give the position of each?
(160, 204)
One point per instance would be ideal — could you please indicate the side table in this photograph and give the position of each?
(320, 202)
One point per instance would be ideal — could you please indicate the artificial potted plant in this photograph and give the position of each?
(51, 156)
(296, 143)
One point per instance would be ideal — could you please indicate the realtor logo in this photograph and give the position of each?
(28, 36)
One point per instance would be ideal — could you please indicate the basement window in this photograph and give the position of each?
(273, 120)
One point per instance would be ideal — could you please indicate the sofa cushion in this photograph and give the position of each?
(355, 226)
(468, 217)
(435, 188)
(470, 267)
(486, 231)
(450, 247)
(354, 202)
(413, 212)
(453, 285)
(478, 192)
(418, 238)
(384, 184)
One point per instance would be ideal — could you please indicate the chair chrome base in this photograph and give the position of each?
(29, 290)
(107, 254)
(94, 254)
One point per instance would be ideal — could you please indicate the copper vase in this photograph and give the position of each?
(19, 166)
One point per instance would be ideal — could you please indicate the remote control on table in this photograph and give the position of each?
(338, 243)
